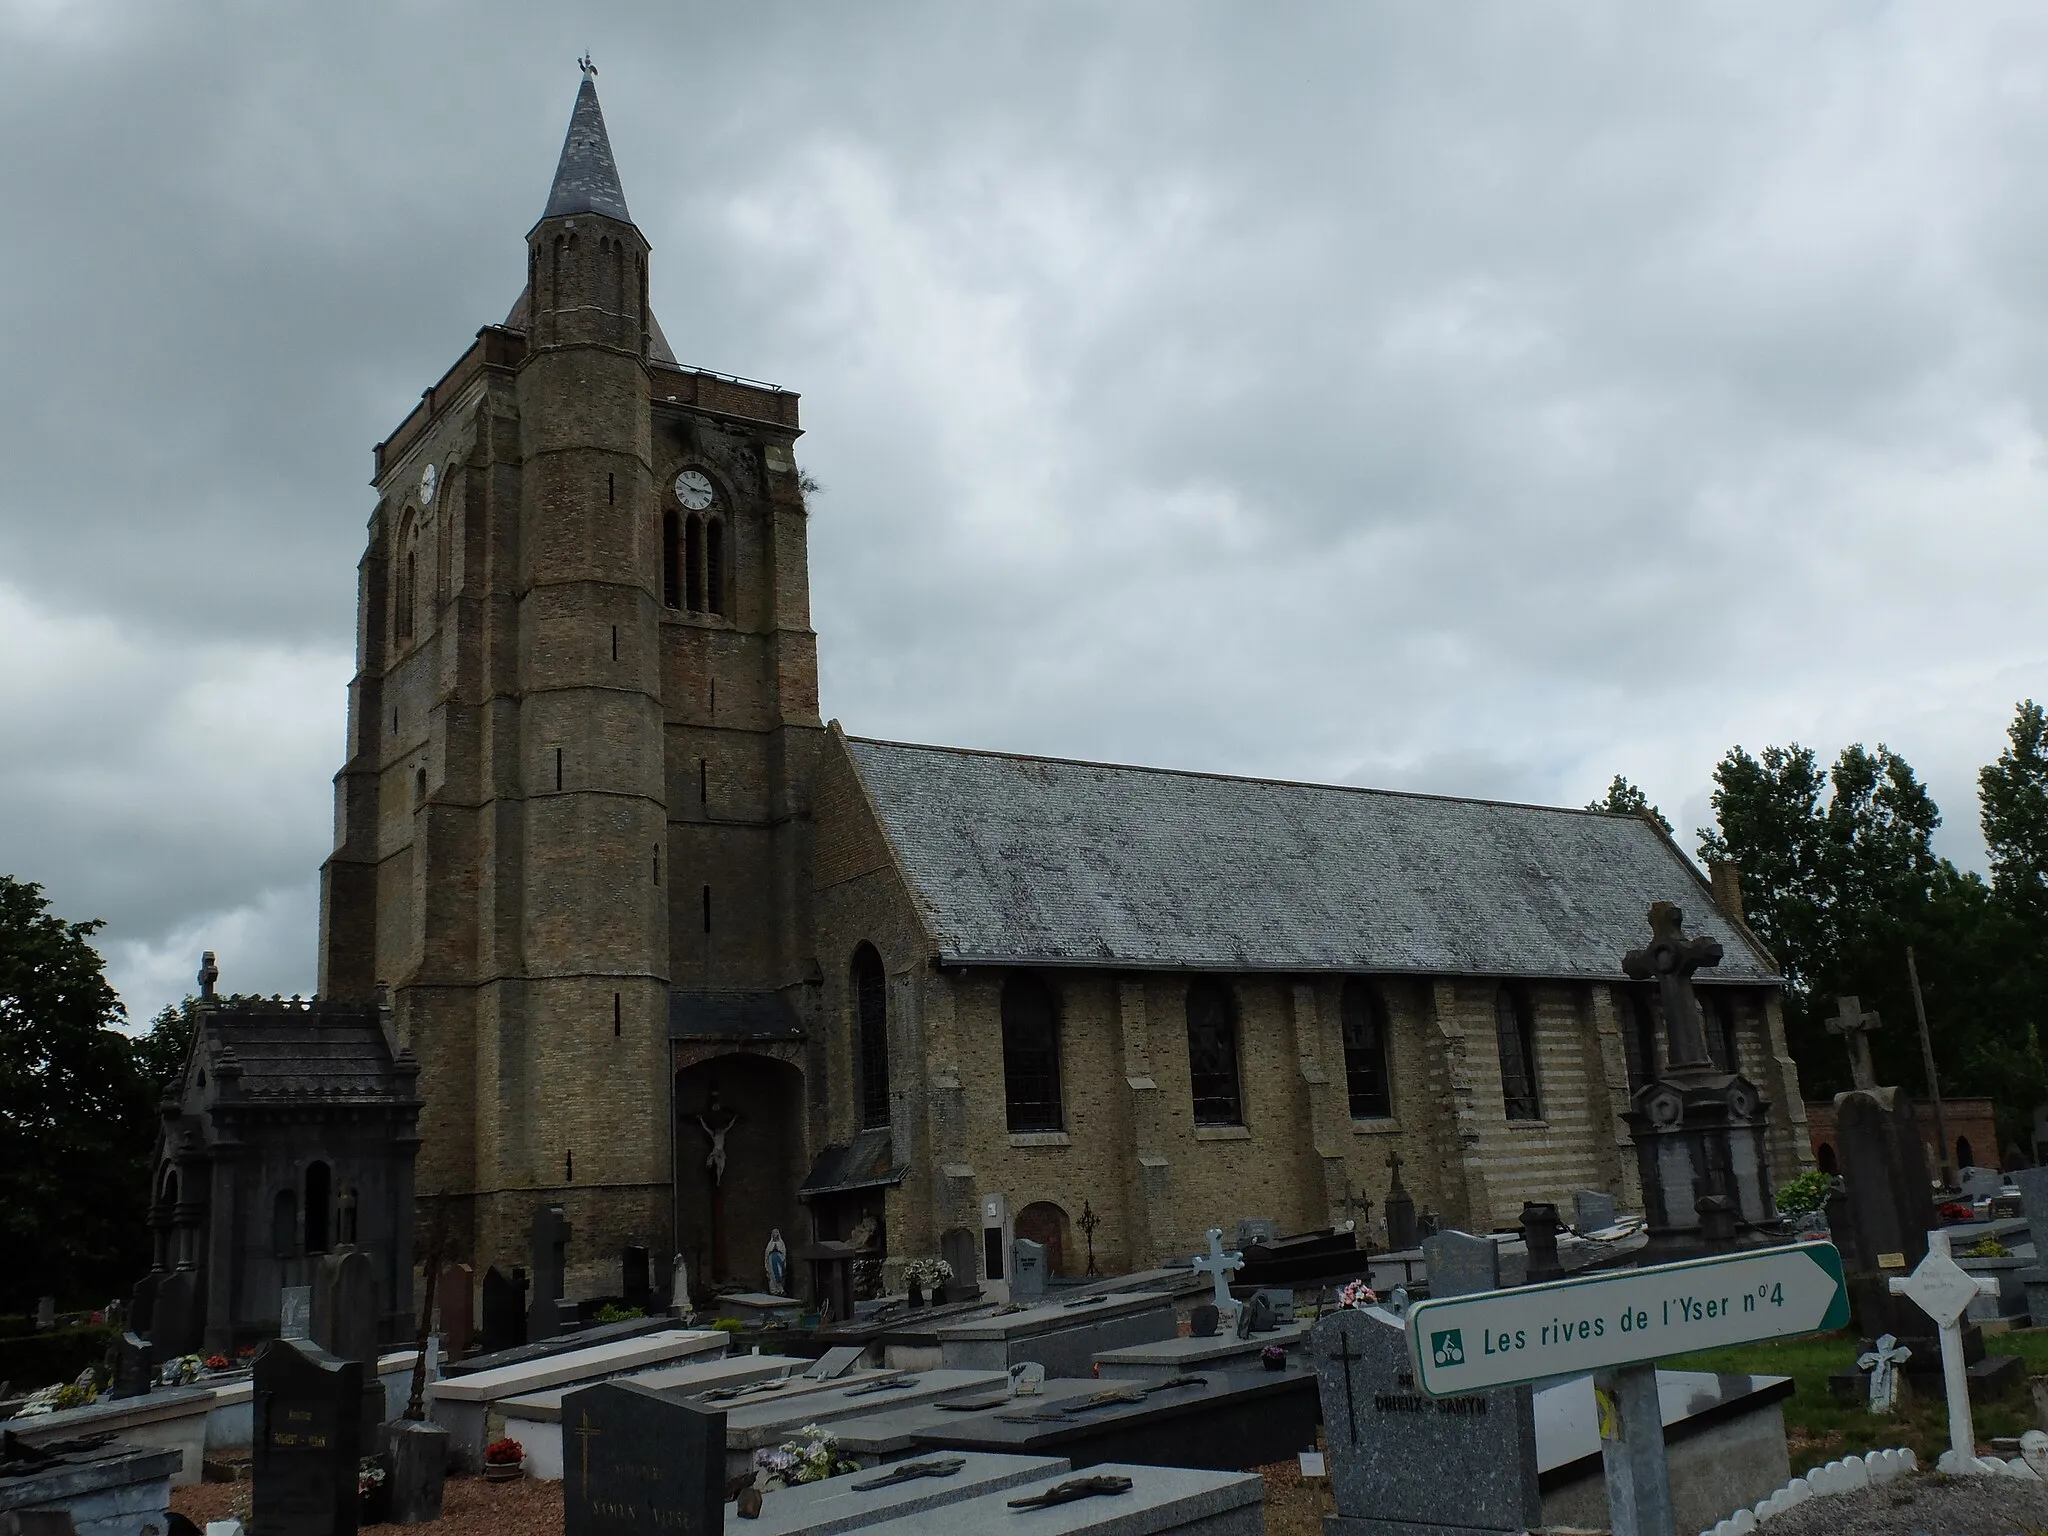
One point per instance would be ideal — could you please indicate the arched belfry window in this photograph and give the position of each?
(1638, 1036)
(693, 564)
(407, 586)
(714, 565)
(1720, 1021)
(871, 1034)
(1031, 1055)
(1367, 1078)
(1212, 1053)
(1514, 1028)
(671, 559)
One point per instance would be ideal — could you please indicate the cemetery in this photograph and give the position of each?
(1507, 1223)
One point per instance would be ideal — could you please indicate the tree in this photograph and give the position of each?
(76, 1116)
(2013, 812)
(1624, 799)
(160, 1055)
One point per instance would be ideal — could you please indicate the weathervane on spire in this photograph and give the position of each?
(585, 65)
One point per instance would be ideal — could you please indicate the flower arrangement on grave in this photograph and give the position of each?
(66, 1394)
(1987, 1247)
(1273, 1358)
(181, 1372)
(928, 1273)
(811, 1457)
(369, 1477)
(505, 1452)
(867, 1279)
(1954, 1210)
(219, 1363)
(245, 1354)
(1808, 1192)
(1358, 1294)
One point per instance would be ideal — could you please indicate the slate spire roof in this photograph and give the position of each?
(587, 178)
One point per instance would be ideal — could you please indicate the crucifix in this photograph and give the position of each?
(1220, 1266)
(1883, 1364)
(1855, 1026)
(1669, 959)
(1088, 1223)
(1942, 1289)
(714, 1164)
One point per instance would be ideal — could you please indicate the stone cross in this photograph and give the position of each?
(1220, 1266)
(1883, 1364)
(1854, 1026)
(1670, 958)
(1943, 1290)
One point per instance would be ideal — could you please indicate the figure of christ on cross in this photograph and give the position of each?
(1855, 1026)
(1670, 958)
(714, 1164)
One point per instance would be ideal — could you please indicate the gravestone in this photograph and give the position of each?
(418, 1466)
(1592, 1211)
(295, 1312)
(504, 1310)
(635, 1280)
(1256, 1229)
(1460, 1264)
(1202, 1321)
(345, 1324)
(134, 1366)
(455, 1300)
(550, 1254)
(638, 1463)
(1402, 1233)
(46, 1313)
(1400, 1462)
(306, 1446)
(1539, 1233)
(1979, 1183)
(177, 1320)
(1280, 1300)
(1027, 1270)
(2033, 1186)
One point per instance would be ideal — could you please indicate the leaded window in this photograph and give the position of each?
(1212, 1053)
(1514, 1026)
(871, 1010)
(1638, 1037)
(1031, 1055)
(1720, 1022)
(1366, 1076)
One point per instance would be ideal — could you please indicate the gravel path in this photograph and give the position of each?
(1923, 1504)
(470, 1507)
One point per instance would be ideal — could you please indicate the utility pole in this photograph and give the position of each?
(1933, 1082)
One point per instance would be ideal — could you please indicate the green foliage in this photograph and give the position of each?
(57, 1354)
(1624, 799)
(161, 1054)
(77, 1118)
(612, 1312)
(1988, 1247)
(2013, 812)
(1808, 1192)
(729, 1324)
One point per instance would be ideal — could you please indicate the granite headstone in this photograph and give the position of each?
(1979, 1183)
(177, 1321)
(418, 1458)
(134, 1366)
(550, 1268)
(1400, 1462)
(636, 1282)
(1256, 1229)
(1540, 1225)
(455, 1298)
(504, 1310)
(306, 1445)
(636, 1462)
(1460, 1263)
(345, 1325)
(2033, 1187)
(1202, 1321)
(1592, 1211)
(1027, 1270)
(295, 1312)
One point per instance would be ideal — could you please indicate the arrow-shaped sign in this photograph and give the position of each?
(1499, 1338)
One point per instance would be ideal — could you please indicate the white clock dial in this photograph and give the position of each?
(427, 478)
(693, 489)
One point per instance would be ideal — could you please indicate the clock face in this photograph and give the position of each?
(427, 478)
(693, 489)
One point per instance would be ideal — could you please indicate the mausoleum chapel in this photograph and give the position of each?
(681, 957)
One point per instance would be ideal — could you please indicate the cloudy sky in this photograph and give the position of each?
(1485, 399)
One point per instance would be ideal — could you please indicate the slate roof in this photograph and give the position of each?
(862, 1163)
(293, 1049)
(1049, 861)
(586, 177)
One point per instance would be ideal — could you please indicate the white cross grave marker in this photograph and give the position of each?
(1883, 1364)
(1221, 1266)
(1942, 1289)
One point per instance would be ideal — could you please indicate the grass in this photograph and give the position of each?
(1818, 1428)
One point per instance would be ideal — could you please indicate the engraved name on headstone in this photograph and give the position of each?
(636, 1462)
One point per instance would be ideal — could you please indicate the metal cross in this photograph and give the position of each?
(1854, 1026)
(1088, 1223)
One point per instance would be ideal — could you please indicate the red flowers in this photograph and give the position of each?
(504, 1453)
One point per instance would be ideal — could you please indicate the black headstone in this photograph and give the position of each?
(418, 1457)
(142, 1302)
(345, 1323)
(1202, 1321)
(504, 1312)
(638, 1463)
(637, 1287)
(134, 1366)
(1540, 1223)
(550, 1267)
(177, 1322)
(307, 1446)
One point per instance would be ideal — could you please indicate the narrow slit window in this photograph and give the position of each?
(671, 560)
(1514, 1027)
(1212, 1053)
(615, 642)
(703, 784)
(871, 1034)
(707, 909)
(693, 564)
(657, 863)
(1363, 1015)
(558, 768)
(611, 489)
(616, 1016)
(714, 565)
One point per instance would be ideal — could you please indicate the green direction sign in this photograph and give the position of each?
(1499, 1338)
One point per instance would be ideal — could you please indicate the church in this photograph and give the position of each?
(676, 954)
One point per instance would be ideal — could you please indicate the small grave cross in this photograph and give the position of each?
(1855, 1026)
(1088, 1223)
(1883, 1364)
(1669, 959)
(1220, 1266)
(1942, 1289)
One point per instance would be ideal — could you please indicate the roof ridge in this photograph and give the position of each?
(1244, 778)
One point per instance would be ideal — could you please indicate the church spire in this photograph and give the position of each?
(586, 179)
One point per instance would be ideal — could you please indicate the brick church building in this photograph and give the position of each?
(631, 899)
